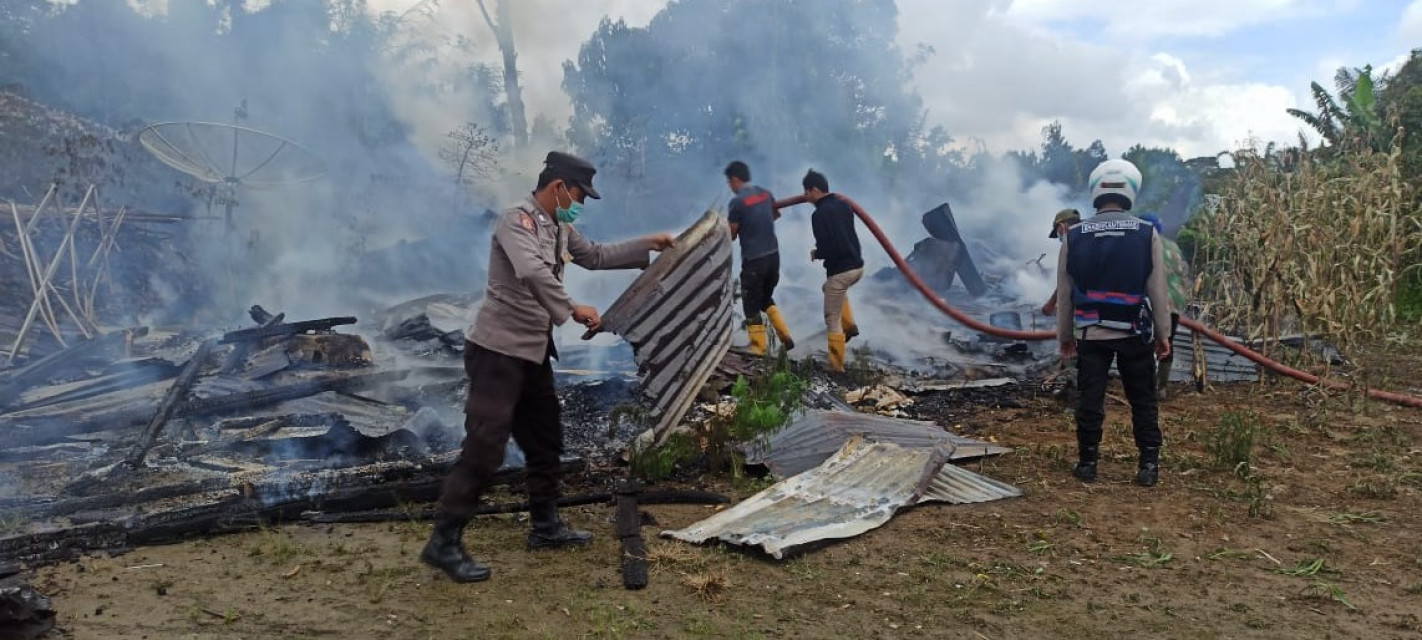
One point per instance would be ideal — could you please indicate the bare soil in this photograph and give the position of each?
(1317, 538)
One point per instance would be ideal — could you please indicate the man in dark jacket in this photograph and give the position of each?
(507, 357)
(752, 217)
(837, 244)
(1112, 304)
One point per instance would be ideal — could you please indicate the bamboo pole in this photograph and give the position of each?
(32, 271)
(44, 282)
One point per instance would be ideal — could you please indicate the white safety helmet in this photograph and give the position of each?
(1115, 178)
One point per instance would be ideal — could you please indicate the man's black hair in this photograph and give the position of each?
(548, 175)
(738, 170)
(815, 180)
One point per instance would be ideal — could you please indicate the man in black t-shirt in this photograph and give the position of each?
(837, 244)
(752, 217)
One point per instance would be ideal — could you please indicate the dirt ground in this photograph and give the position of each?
(1317, 538)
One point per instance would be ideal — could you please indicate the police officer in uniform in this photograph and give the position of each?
(1112, 304)
(507, 358)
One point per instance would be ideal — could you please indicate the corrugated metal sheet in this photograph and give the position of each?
(816, 435)
(856, 490)
(956, 485)
(1223, 365)
(677, 317)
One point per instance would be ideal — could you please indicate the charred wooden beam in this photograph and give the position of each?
(629, 532)
(134, 374)
(176, 395)
(406, 514)
(248, 400)
(241, 350)
(57, 428)
(16, 381)
(286, 329)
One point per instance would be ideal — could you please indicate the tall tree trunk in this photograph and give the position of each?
(503, 33)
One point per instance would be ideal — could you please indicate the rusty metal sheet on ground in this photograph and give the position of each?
(856, 490)
(816, 435)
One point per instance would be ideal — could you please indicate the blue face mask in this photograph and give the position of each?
(570, 213)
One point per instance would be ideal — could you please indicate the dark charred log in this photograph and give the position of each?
(24, 613)
(629, 532)
(238, 356)
(15, 382)
(286, 329)
(176, 395)
(241, 508)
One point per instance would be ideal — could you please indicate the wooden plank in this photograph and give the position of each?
(286, 329)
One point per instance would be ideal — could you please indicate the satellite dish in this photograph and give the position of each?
(232, 155)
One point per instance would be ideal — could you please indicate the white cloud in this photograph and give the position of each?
(1158, 18)
(1409, 27)
(1000, 79)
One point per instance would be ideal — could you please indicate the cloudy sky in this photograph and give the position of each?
(1198, 75)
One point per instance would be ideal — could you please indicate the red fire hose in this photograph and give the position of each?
(1018, 334)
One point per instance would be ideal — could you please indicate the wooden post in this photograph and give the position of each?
(171, 400)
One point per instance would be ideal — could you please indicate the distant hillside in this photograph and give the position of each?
(40, 145)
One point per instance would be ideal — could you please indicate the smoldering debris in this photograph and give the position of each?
(24, 612)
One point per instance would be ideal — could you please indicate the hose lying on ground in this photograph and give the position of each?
(1019, 334)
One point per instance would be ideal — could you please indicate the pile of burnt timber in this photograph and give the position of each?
(139, 436)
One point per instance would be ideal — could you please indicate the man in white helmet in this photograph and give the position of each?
(1111, 297)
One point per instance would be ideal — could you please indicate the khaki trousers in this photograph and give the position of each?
(836, 290)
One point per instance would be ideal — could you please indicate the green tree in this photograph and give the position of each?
(708, 81)
(1352, 120)
(1402, 106)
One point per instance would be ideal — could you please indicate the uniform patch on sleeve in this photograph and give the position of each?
(525, 221)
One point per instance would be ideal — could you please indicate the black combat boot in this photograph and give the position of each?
(1149, 472)
(445, 551)
(1085, 470)
(549, 530)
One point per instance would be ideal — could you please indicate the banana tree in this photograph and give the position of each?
(1352, 120)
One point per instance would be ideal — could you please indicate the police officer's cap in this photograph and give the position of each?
(1065, 215)
(572, 169)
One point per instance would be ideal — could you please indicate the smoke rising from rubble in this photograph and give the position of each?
(375, 96)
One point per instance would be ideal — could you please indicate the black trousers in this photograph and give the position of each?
(759, 277)
(507, 397)
(1136, 362)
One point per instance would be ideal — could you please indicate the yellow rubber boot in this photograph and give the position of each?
(757, 338)
(781, 329)
(836, 352)
(846, 320)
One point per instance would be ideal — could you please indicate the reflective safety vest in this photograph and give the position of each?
(1109, 263)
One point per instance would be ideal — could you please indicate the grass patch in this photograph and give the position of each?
(709, 585)
(653, 463)
(1328, 591)
(1155, 555)
(1230, 444)
(1376, 488)
(1310, 568)
(1367, 517)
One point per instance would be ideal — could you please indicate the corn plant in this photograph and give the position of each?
(1313, 244)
